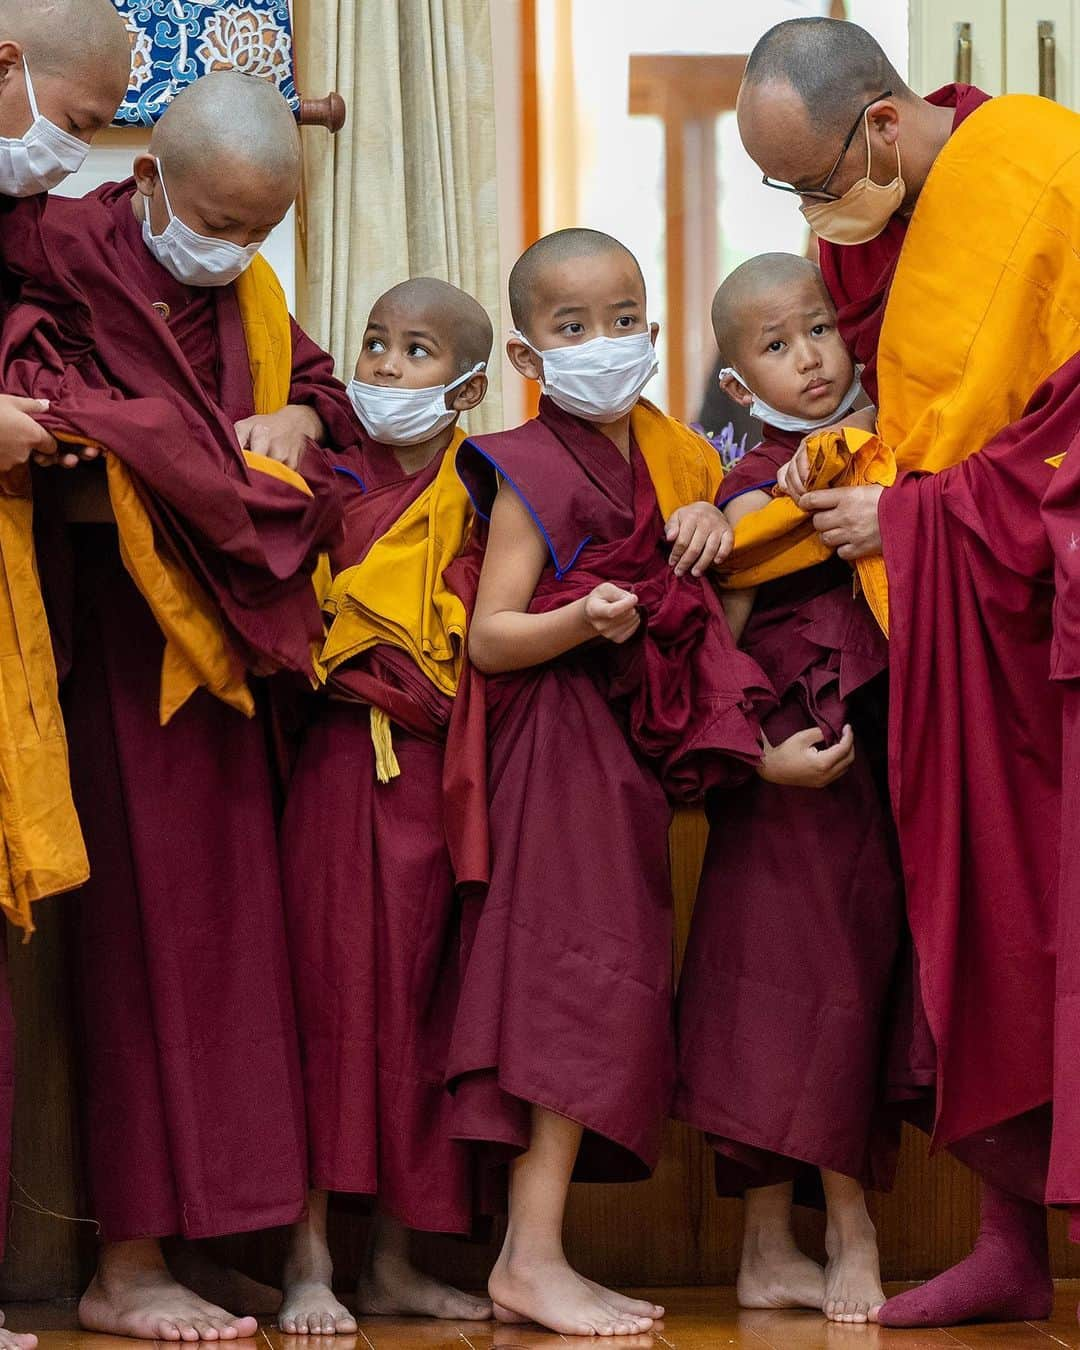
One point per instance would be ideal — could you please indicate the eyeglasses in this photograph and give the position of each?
(819, 193)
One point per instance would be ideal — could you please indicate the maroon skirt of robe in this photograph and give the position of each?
(566, 993)
(373, 934)
(191, 1108)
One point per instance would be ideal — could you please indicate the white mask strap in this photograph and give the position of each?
(30, 95)
(478, 369)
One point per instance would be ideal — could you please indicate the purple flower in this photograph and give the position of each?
(724, 443)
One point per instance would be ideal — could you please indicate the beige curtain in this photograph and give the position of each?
(408, 187)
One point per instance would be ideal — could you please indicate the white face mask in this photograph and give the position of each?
(42, 157)
(194, 259)
(394, 416)
(599, 380)
(783, 421)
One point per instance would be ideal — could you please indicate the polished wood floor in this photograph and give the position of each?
(698, 1319)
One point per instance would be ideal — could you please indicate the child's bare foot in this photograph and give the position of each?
(194, 1267)
(16, 1340)
(622, 1303)
(405, 1291)
(853, 1291)
(309, 1308)
(549, 1292)
(139, 1300)
(778, 1277)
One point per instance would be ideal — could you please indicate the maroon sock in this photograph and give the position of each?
(1005, 1279)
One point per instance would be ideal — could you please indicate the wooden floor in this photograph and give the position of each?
(698, 1319)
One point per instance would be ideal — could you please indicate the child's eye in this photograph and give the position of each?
(819, 329)
(417, 351)
(625, 321)
(775, 346)
(375, 345)
(572, 329)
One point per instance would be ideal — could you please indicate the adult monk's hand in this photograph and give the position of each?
(847, 519)
(20, 434)
(282, 435)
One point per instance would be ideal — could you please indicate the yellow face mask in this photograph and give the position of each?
(865, 208)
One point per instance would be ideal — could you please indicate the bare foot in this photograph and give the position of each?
(779, 1277)
(16, 1340)
(622, 1303)
(551, 1293)
(400, 1290)
(309, 1308)
(150, 1305)
(853, 1291)
(194, 1267)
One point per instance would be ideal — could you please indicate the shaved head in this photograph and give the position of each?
(551, 251)
(451, 312)
(63, 36)
(226, 124)
(834, 67)
(79, 56)
(736, 303)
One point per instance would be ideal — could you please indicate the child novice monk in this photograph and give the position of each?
(369, 891)
(785, 986)
(612, 686)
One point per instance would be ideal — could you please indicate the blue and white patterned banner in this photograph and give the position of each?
(176, 41)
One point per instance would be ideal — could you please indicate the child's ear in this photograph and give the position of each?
(524, 360)
(146, 174)
(471, 394)
(654, 332)
(736, 391)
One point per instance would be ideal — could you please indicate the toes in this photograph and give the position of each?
(287, 1325)
(168, 1331)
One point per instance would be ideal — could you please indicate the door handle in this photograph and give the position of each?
(962, 64)
(1047, 59)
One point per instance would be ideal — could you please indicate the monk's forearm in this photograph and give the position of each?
(508, 640)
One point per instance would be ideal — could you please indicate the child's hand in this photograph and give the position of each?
(791, 477)
(700, 537)
(612, 613)
(797, 762)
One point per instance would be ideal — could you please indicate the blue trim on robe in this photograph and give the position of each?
(560, 571)
(753, 487)
(350, 473)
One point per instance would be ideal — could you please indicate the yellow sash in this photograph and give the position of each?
(396, 596)
(984, 306)
(42, 847)
(683, 466)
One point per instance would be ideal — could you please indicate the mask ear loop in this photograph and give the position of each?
(896, 147)
(31, 97)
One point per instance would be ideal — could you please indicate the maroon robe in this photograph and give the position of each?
(858, 276)
(975, 760)
(373, 917)
(567, 986)
(191, 1106)
(1063, 528)
(798, 929)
